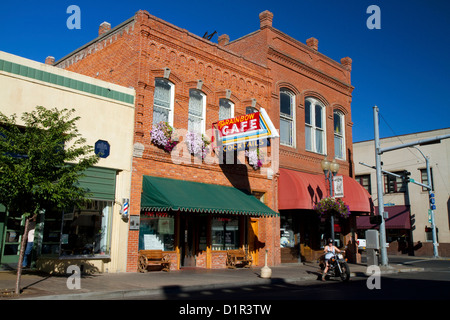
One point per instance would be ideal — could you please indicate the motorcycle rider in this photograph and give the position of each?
(329, 250)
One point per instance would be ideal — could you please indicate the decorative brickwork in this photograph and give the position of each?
(249, 71)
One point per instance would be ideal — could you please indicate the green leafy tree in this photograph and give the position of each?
(41, 160)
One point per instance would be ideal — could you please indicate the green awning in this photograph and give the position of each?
(163, 194)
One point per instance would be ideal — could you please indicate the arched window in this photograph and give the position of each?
(249, 110)
(197, 106)
(287, 118)
(226, 109)
(163, 101)
(314, 126)
(339, 135)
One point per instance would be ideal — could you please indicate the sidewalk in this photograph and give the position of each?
(120, 285)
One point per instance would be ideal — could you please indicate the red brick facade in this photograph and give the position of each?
(306, 73)
(250, 72)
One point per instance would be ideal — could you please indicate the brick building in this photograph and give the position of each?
(191, 83)
(310, 99)
(184, 79)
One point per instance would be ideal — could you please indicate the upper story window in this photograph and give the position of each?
(226, 109)
(364, 180)
(197, 110)
(314, 125)
(287, 118)
(339, 136)
(393, 184)
(249, 110)
(424, 178)
(163, 101)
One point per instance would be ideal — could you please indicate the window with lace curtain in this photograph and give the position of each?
(163, 101)
(339, 137)
(287, 127)
(197, 105)
(314, 126)
(249, 110)
(226, 109)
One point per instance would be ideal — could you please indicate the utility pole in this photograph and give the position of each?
(378, 152)
(383, 250)
(432, 207)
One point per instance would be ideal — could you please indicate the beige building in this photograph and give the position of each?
(408, 229)
(94, 238)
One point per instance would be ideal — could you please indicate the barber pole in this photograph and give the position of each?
(125, 207)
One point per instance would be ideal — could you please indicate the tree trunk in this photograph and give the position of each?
(21, 254)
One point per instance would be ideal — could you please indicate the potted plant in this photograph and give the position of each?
(161, 136)
(198, 144)
(254, 158)
(332, 206)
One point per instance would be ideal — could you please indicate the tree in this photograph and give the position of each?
(41, 160)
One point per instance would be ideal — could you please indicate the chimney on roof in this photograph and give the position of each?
(313, 43)
(50, 60)
(265, 19)
(104, 27)
(347, 63)
(223, 40)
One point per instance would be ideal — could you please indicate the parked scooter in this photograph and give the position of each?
(337, 267)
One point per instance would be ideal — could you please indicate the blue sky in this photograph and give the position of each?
(403, 68)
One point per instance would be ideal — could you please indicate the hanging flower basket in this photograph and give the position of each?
(161, 136)
(254, 158)
(198, 144)
(331, 206)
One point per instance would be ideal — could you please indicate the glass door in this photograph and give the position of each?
(11, 225)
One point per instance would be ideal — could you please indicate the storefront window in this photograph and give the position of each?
(156, 232)
(287, 239)
(52, 232)
(225, 233)
(86, 230)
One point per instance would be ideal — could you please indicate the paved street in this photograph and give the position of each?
(395, 296)
(241, 293)
(430, 284)
(401, 286)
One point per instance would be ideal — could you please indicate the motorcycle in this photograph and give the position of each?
(337, 267)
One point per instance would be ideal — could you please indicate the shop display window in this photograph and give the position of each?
(86, 230)
(225, 233)
(156, 232)
(287, 239)
(81, 231)
(52, 233)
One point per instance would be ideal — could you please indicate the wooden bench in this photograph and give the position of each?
(239, 256)
(153, 258)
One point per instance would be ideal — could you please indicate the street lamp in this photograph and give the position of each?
(330, 169)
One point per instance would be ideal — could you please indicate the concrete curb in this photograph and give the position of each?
(122, 294)
(155, 291)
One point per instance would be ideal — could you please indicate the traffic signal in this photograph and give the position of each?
(432, 202)
(406, 175)
(375, 219)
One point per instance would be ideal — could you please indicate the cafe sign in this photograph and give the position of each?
(245, 128)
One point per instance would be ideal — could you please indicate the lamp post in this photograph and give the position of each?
(330, 169)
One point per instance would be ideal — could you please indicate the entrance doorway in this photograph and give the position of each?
(10, 236)
(193, 238)
(300, 232)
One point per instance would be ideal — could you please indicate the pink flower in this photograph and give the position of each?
(161, 136)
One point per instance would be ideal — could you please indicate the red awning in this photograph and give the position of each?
(299, 190)
(398, 218)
